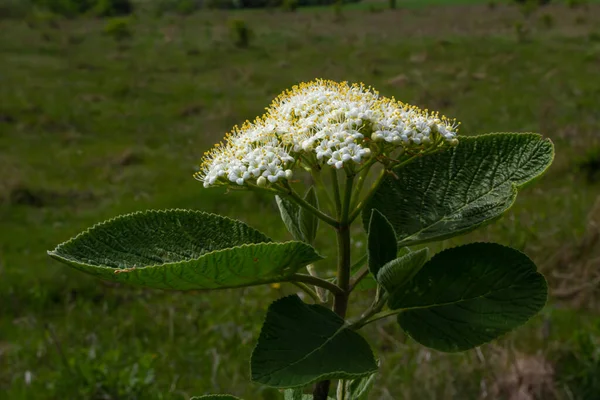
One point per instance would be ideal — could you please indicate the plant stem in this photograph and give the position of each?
(316, 175)
(364, 271)
(322, 293)
(311, 293)
(359, 262)
(347, 199)
(363, 173)
(340, 300)
(375, 185)
(309, 207)
(336, 192)
(370, 194)
(375, 317)
(313, 280)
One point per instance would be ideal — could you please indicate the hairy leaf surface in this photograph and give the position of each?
(455, 191)
(182, 250)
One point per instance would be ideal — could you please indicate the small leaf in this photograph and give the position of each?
(446, 194)
(182, 250)
(381, 242)
(300, 344)
(402, 251)
(216, 397)
(469, 295)
(360, 388)
(289, 215)
(307, 221)
(397, 272)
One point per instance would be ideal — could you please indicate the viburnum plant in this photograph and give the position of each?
(404, 174)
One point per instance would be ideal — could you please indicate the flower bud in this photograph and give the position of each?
(289, 174)
(261, 181)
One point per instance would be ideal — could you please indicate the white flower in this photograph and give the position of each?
(336, 124)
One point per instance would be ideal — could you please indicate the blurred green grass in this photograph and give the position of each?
(91, 128)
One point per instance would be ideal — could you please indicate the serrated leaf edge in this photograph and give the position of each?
(516, 186)
(535, 269)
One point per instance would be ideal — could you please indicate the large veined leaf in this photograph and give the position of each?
(300, 344)
(453, 192)
(469, 295)
(182, 250)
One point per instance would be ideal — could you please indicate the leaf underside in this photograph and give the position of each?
(300, 344)
(469, 295)
(290, 213)
(182, 250)
(455, 191)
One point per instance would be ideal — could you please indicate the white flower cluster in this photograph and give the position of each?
(322, 122)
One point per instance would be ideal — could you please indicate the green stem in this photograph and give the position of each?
(289, 192)
(336, 191)
(359, 276)
(362, 177)
(316, 175)
(340, 300)
(375, 185)
(322, 293)
(313, 280)
(347, 199)
(374, 317)
(313, 295)
(370, 194)
(359, 262)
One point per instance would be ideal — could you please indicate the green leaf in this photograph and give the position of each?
(469, 295)
(369, 281)
(307, 221)
(397, 272)
(289, 215)
(381, 242)
(446, 194)
(300, 344)
(360, 388)
(300, 223)
(182, 250)
(216, 397)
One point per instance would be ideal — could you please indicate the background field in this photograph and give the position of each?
(91, 128)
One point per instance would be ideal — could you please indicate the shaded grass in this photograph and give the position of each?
(90, 128)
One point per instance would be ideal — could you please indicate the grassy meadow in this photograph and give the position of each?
(92, 127)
